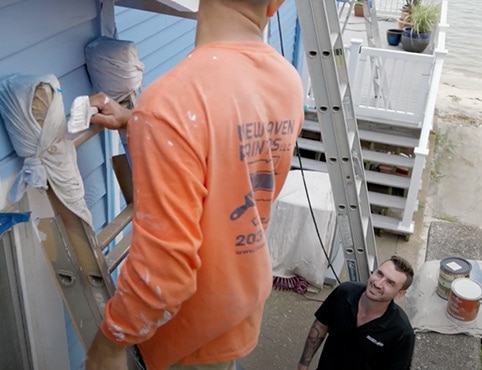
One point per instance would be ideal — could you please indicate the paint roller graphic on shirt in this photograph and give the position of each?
(259, 181)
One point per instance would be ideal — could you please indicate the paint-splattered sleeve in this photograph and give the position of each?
(168, 155)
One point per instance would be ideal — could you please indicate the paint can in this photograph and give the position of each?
(464, 300)
(451, 268)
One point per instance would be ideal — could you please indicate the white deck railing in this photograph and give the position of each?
(397, 88)
(390, 8)
(422, 150)
(400, 88)
(391, 86)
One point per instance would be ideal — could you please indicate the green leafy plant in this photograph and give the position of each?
(423, 17)
(411, 3)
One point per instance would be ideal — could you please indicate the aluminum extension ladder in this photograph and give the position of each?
(323, 45)
(80, 260)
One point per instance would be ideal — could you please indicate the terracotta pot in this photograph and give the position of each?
(358, 10)
(402, 23)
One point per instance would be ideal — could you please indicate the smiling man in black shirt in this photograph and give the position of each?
(366, 329)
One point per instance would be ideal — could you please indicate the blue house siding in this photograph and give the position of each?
(48, 37)
(285, 41)
(162, 41)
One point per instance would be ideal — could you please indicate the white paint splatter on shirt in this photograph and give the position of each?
(158, 291)
(118, 334)
(145, 277)
(191, 116)
(167, 316)
(170, 143)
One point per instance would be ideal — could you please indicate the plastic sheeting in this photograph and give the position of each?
(427, 311)
(114, 67)
(292, 238)
(49, 158)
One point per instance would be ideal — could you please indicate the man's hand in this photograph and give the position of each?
(105, 355)
(111, 114)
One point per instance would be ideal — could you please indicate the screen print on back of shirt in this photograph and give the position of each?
(261, 145)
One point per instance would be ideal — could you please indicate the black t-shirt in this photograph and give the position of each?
(385, 343)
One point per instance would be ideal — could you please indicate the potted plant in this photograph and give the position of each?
(358, 8)
(422, 19)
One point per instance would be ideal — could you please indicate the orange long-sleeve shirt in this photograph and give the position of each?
(211, 143)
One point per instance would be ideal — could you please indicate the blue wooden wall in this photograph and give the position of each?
(286, 38)
(41, 37)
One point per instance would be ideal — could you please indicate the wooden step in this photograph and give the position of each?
(373, 136)
(309, 164)
(391, 224)
(386, 200)
(386, 179)
(390, 139)
(386, 158)
(372, 177)
(310, 125)
(309, 144)
(368, 155)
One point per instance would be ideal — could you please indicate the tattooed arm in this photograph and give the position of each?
(316, 336)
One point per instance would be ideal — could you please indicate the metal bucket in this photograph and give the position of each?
(451, 268)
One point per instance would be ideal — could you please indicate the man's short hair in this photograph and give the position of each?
(402, 265)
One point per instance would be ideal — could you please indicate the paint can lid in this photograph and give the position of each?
(456, 265)
(467, 289)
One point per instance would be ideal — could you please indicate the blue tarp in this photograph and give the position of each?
(8, 220)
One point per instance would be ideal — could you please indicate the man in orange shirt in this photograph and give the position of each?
(211, 143)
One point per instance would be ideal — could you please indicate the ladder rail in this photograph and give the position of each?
(324, 49)
(75, 255)
(371, 23)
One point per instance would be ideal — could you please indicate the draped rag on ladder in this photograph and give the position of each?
(35, 122)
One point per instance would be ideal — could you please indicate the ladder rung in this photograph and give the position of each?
(386, 179)
(117, 254)
(386, 200)
(115, 227)
(396, 140)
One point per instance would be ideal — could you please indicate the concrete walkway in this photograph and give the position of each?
(451, 193)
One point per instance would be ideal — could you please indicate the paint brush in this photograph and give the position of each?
(80, 113)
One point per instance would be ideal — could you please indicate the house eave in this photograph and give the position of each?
(178, 8)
